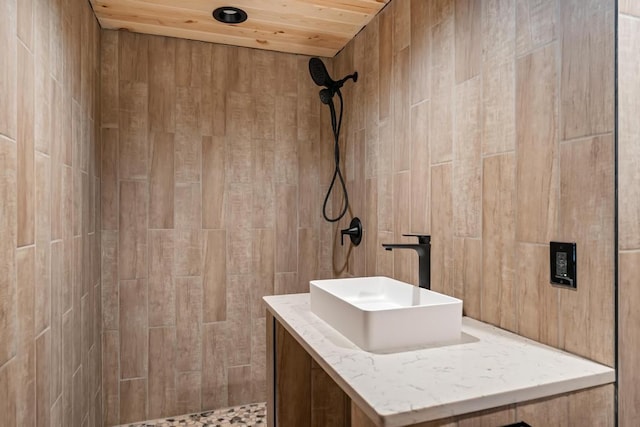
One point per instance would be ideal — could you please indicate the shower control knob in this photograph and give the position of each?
(354, 232)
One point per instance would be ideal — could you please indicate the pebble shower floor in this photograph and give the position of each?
(253, 414)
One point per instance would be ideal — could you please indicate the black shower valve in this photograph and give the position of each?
(354, 232)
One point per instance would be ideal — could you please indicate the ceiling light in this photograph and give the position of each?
(230, 15)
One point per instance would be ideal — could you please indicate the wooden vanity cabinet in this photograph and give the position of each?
(301, 393)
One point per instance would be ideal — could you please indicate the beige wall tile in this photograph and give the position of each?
(538, 301)
(109, 282)
(467, 275)
(25, 150)
(188, 386)
(133, 401)
(401, 110)
(213, 182)
(498, 241)
(162, 84)
(161, 180)
(258, 359)
(239, 384)
(629, 7)
(238, 326)
(420, 169)
(110, 377)
(286, 283)
(467, 165)
(442, 84)
(537, 145)
(498, 105)
(24, 27)
(43, 238)
(162, 360)
(188, 253)
(385, 62)
(133, 332)
(420, 50)
(133, 136)
(468, 49)
(188, 206)
(536, 24)
(263, 209)
(594, 406)
(25, 391)
(548, 412)
(132, 248)
(109, 180)
(214, 276)
(628, 132)
(188, 325)
(628, 409)
(9, 70)
(214, 349)
(109, 78)
(133, 57)
(489, 418)
(8, 388)
(162, 294)
(442, 226)
(263, 270)
(57, 277)
(286, 229)
(587, 76)
(588, 164)
(43, 366)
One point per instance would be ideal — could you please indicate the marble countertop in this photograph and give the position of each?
(488, 368)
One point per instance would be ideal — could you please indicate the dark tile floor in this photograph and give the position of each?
(253, 414)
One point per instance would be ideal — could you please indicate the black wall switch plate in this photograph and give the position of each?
(562, 260)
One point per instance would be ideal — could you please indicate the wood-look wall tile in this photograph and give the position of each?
(239, 384)
(78, 397)
(308, 240)
(57, 273)
(441, 10)
(467, 275)
(188, 386)
(188, 324)
(238, 328)
(109, 80)
(420, 169)
(385, 65)
(498, 106)
(110, 377)
(43, 238)
(442, 85)
(133, 330)
(263, 179)
(468, 49)
(109, 180)
(43, 390)
(239, 161)
(133, 57)
(109, 257)
(161, 186)
(9, 70)
(498, 241)
(263, 269)
(67, 368)
(371, 219)
(258, 359)
(587, 76)
(546, 412)
(535, 24)
(442, 221)
(629, 409)
(240, 111)
(401, 24)
(8, 239)
(213, 182)
(384, 258)
(404, 262)
(537, 146)
(286, 283)
(162, 361)
(25, 141)
(420, 50)
(588, 164)
(214, 276)
(594, 406)
(25, 323)
(467, 165)
(161, 291)
(537, 306)
(498, 30)
(628, 133)
(24, 25)
(264, 116)
(286, 229)
(385, 202)
(401, 111)
(188, 206)
(214, 358)
(629, 7)
(132, 248)
(8, 388)
(188, 253)
(188, 142)
(162, 84)
(133, 400)
(133, 141)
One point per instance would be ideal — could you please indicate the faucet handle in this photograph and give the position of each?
(422, 238)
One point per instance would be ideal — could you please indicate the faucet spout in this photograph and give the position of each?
(423, 248)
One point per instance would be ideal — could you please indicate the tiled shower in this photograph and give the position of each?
(154, 189)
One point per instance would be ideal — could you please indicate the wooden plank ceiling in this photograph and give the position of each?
(310, 27)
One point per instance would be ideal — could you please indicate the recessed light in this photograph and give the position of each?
(230, 15)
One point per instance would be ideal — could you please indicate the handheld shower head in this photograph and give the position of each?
(326, 96)
(319, 73)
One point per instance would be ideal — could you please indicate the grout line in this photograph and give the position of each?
(586, 137)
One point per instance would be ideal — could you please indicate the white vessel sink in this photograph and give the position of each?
(380, 314)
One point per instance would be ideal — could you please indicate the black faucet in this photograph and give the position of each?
(423, 247)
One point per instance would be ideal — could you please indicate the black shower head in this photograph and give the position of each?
(319, 73)
(326, 96)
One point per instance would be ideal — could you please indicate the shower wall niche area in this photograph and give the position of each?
(210, 155)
